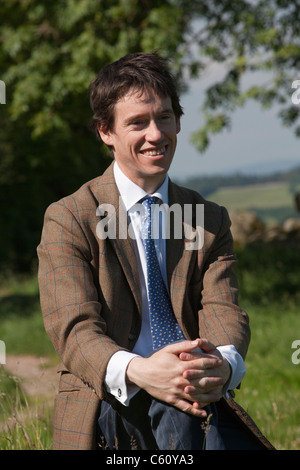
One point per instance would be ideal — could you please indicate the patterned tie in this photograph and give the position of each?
(163, 324)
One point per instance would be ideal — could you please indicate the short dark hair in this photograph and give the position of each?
(139, 71)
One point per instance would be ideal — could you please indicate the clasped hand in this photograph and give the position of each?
(188, 375)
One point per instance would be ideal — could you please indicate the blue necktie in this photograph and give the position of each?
(163, 324)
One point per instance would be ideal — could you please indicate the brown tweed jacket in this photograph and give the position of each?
(91, 298)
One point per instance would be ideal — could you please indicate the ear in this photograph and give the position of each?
(178, 126)
(105, 135)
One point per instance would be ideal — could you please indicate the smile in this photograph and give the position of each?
(154, 153)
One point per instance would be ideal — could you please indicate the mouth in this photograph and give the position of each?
(155, 152)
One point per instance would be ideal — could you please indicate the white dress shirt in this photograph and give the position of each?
(115, 379)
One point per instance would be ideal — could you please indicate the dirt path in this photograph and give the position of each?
(38, 380)
(36, 375)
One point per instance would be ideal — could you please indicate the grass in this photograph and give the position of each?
(269, 277)
(269, 280)
(271, 389)
(24, 424)
(21, 325)
(273, 202)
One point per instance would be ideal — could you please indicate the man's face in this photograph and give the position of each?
(144, 137)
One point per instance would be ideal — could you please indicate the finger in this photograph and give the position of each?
(204, 385)
(206, 382)
(206, 345)
(188, 356)
(204, 399)
(200, 406)
(199, 353)
(193, 408)
(197, 371)
(182, 347)
(204, 363)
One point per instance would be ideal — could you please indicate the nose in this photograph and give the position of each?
(154, 132)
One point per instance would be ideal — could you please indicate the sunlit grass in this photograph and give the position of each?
(25, 424)
(21, 325)
(273, 202)
(269, 277)
(259, 195)
(271, 388)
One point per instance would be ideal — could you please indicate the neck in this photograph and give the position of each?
(149, 183)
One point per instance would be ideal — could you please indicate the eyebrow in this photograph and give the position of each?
(143, 115)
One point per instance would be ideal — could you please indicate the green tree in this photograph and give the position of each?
(50, 51)
(254, 37)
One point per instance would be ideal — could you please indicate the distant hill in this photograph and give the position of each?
(263, 168)
(271, 196)
(206, 185)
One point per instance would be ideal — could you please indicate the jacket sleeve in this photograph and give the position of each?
(221, 319)
(69, 298)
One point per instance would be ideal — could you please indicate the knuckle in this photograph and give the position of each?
(204, 383)
(181, 382)
(170, 398)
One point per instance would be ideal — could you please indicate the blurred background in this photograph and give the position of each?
(235, 62)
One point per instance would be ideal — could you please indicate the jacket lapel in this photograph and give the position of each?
(179, 258)
(117, 226)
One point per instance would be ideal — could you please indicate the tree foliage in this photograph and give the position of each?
(250, 39)
(50, 51)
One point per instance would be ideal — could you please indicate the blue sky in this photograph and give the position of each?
(257, 141)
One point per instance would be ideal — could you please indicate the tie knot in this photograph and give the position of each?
(149, 201)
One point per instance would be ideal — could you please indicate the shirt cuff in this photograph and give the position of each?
(115, 378)
(237, 365)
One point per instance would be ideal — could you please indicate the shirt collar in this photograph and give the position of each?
(131, 193)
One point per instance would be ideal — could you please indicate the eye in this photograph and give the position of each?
(138, 123)
(165, 117)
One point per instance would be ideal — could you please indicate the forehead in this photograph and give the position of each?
(136, 101)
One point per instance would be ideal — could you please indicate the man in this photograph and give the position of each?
(97, 291)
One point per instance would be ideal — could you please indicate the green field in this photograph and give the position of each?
(273, 202)
(269, 277)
